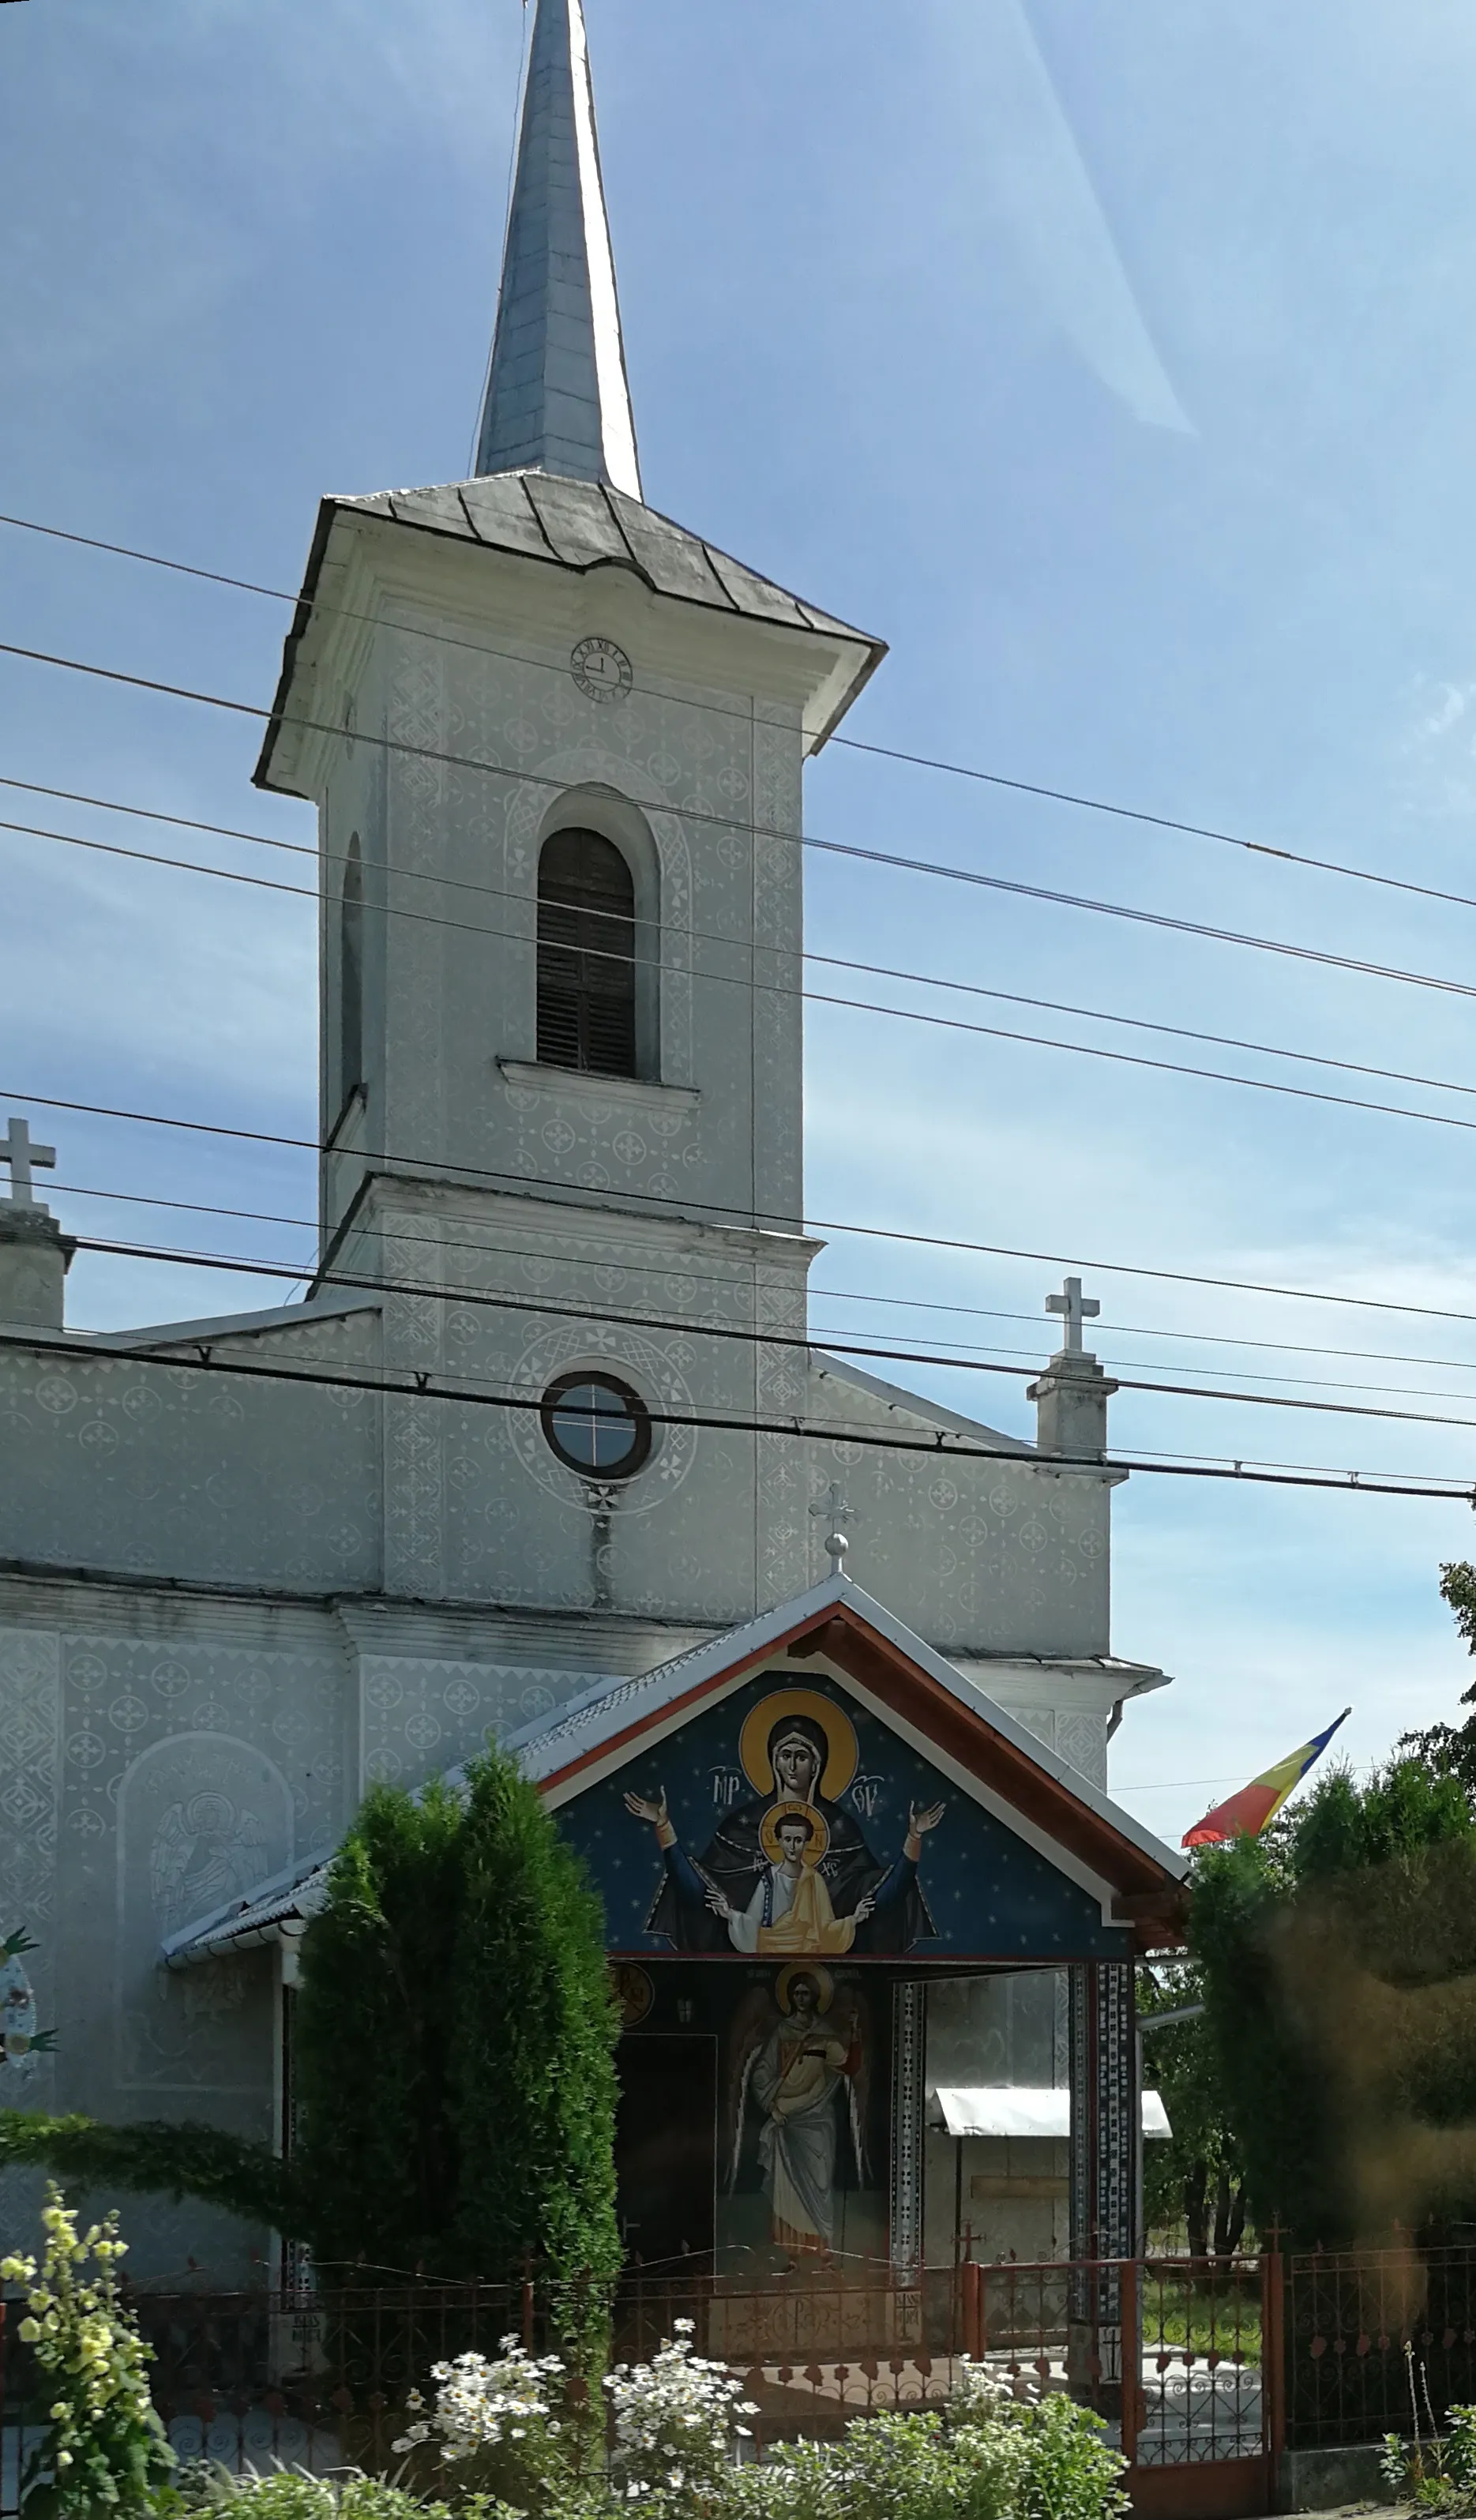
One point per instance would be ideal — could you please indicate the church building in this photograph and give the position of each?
(816, 1673)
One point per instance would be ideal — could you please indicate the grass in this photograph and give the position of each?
(1203, 2318)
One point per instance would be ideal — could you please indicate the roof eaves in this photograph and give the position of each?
(576, 1725)
(917, 1649)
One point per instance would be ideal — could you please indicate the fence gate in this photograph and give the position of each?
(1180, 2357)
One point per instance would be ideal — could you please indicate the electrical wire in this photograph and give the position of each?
(558, 1194)
(857, 1005)
(422, 1385)
(712, 1279)
(955, 1354)
(617, 919)
(849, 743)
(335, 1279)
(764, 831)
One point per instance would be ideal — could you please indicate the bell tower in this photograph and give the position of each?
(555, 742)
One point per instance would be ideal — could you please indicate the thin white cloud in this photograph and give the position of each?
(1033, 169)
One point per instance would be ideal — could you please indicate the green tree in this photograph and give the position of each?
(375, 2154)
(456, 2092)
(455, 2042)
(1196, 2179)
(531, 2070)
(1452, 1747)
(1337, 1959)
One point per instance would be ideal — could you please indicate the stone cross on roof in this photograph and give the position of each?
(18, 1151)
(833, 1506)
(1077, 1308)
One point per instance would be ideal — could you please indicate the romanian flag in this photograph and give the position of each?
(1256, 1805)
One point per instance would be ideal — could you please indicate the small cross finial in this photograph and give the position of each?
(18, 1151)
(1076, 1308)
(833, 1506)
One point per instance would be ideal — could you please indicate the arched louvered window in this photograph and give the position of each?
(586, 956)
(351, 974)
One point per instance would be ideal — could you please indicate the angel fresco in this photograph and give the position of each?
(792, 2054)
(791, 1870)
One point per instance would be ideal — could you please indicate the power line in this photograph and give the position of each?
(849, 743)
(423, 1385)
(545, 1308)
(829, 961)
(765, 831)
(864, 1006)
(840, 1295)
(557, 1193)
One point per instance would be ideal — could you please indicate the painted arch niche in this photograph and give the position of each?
(202, 1818)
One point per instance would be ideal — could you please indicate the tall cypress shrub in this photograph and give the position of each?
(456, 2078)
(374, 2157)
(454, 2060)
(532, 2077)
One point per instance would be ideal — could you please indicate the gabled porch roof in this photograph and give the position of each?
(915, 1690)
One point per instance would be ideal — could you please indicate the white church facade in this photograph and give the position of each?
(546, 1455)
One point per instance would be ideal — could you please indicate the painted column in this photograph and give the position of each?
(1104, 2141)
(909, 2107)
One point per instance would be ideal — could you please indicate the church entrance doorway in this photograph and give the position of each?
(665, 2145)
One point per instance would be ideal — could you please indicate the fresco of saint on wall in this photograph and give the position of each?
(788, 1870)
(799, 2070)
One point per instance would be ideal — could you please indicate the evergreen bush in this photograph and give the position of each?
(454, 2047)
(457, 2085)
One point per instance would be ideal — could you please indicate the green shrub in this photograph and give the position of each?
(288, 2493)
(995, 2459)
(1435, 2475)
(887, 2467)
(455, 2040)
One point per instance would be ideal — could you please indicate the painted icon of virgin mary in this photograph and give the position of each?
(797, 1748)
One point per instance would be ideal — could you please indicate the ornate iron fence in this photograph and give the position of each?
(320, 2380)
(1379, 2341)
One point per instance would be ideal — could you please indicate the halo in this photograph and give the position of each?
(773, 1820)
(804, 1968)
(633, 1992)
(841, 1754)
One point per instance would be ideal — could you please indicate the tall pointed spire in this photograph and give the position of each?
(557, 399)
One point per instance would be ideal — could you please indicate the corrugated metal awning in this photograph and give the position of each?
(1022, 2109)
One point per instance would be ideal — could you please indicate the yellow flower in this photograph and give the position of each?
(28, 2331)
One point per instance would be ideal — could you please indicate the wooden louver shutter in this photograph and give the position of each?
(586, 956)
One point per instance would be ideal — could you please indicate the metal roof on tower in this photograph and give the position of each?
(557, 399)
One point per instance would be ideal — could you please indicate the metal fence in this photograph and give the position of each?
(1171, 2351)
(1377, 2342)
(1202, 2371)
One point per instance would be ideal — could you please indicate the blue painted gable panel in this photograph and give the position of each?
(975, 1892)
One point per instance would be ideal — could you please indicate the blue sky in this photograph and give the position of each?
(1117, 367)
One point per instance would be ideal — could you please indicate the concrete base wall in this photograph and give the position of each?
(1323, 2480)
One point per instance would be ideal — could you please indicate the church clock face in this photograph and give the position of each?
(602, 670)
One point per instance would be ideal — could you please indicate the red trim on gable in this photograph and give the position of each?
(688, 1699)
(972, 1743)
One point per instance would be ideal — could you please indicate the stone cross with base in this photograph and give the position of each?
(18, 1149)
(1077, 1308)
(833, 1506)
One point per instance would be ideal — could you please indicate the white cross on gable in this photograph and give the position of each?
(833, 1506)
(18, 1151)
(1076, 1308)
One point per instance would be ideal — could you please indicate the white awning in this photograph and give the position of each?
(1018, 2108)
